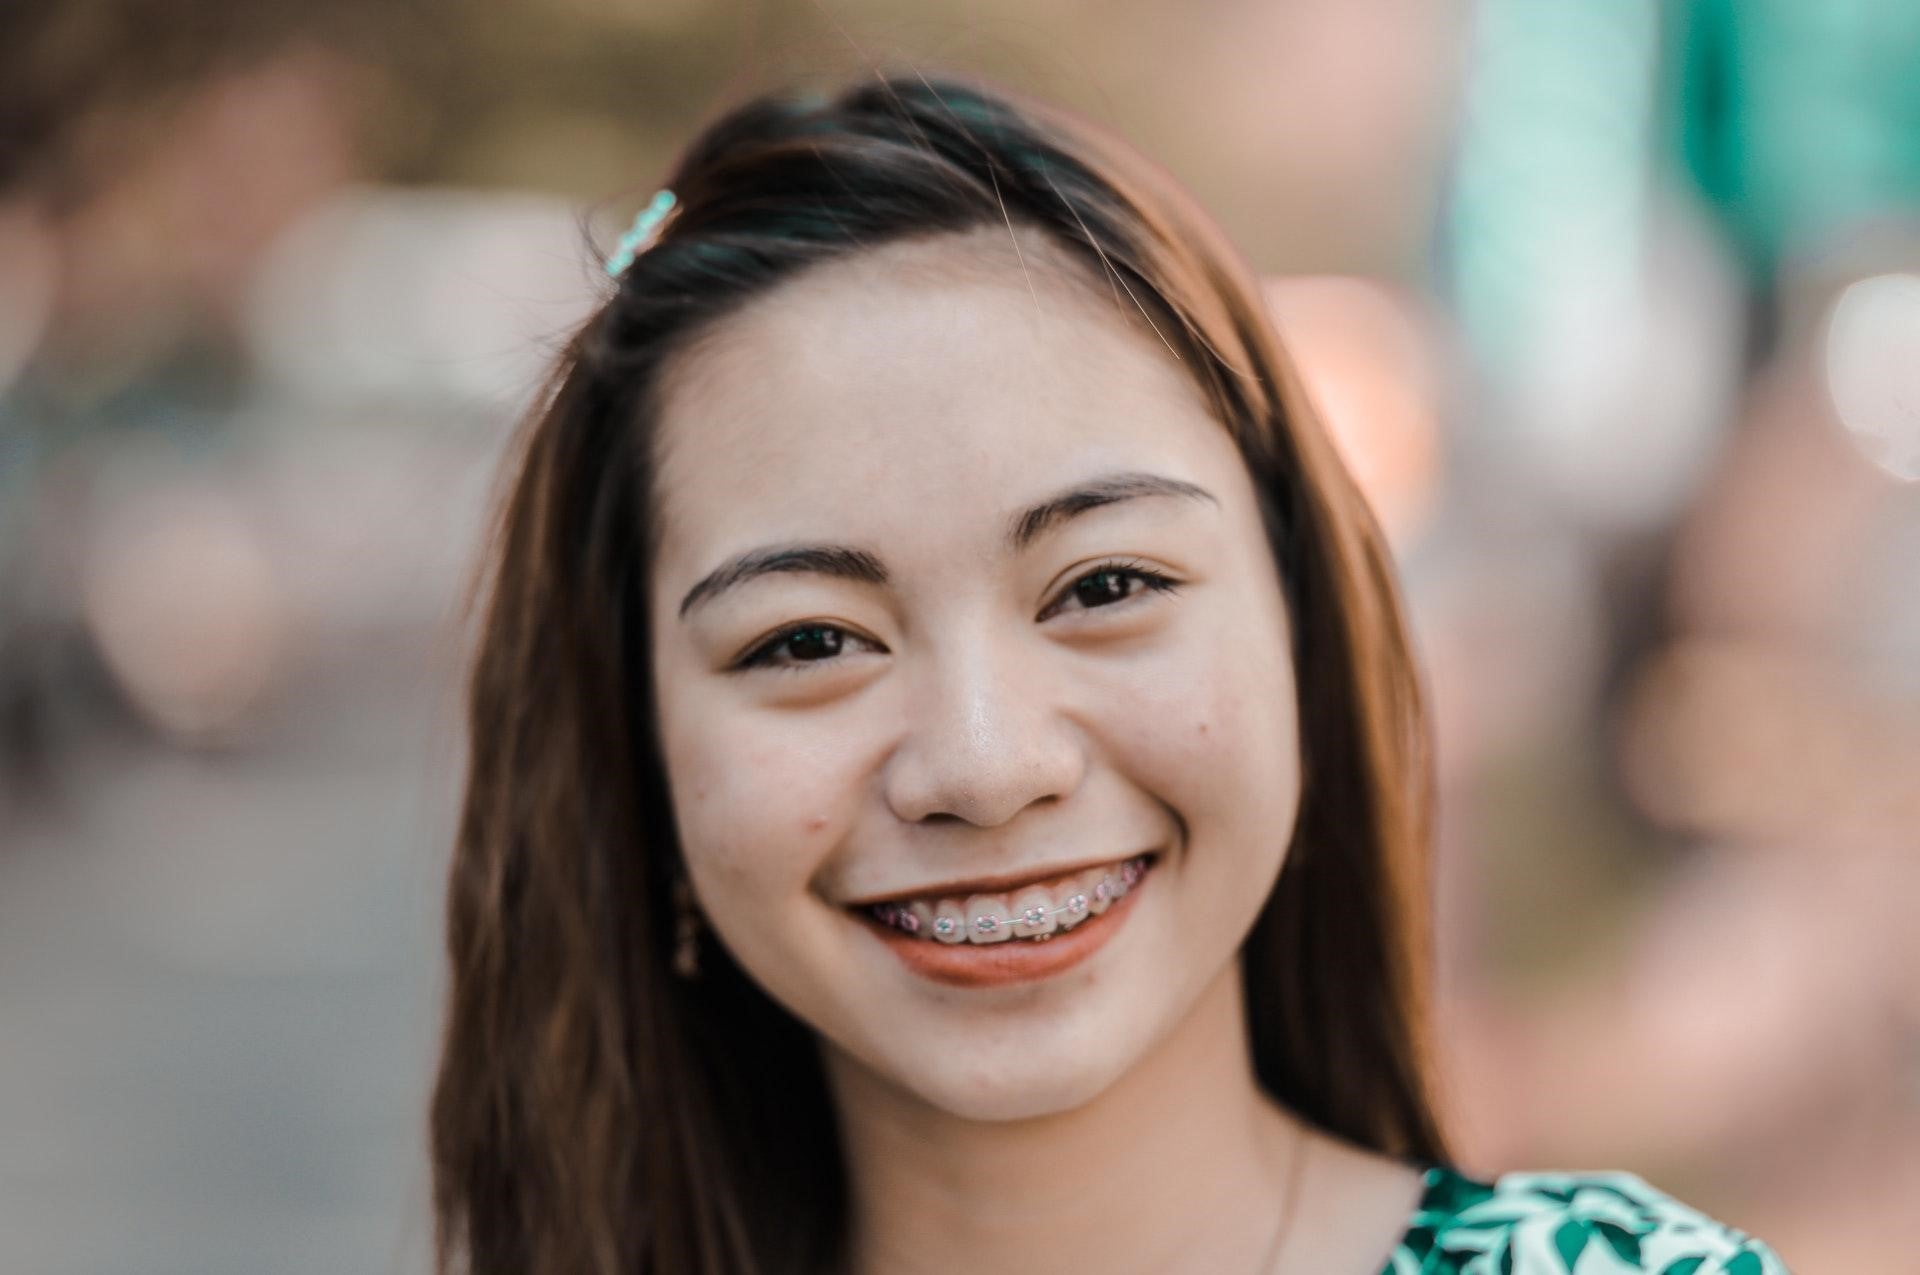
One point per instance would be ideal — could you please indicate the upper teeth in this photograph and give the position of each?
(1032, 912)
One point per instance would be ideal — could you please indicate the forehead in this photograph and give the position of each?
(935, 382)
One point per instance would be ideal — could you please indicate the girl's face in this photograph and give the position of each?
(942, 691)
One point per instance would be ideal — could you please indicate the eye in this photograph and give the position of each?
(808, 645)
(1106, 585)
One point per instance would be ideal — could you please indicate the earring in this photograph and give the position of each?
(686, 925)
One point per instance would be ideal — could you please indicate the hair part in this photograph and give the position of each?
(594, 1113)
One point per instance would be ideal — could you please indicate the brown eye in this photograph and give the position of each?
(1107, 585)
(804, 643)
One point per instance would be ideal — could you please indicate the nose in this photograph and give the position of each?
(985, 738)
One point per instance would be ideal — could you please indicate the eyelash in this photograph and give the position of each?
(762, 656)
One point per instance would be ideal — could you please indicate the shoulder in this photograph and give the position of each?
(1597, 1223)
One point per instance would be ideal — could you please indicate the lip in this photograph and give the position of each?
(1005, 883)
(1014, 961)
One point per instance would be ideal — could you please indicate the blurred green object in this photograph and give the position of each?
(1796, 119)
(1548, 190)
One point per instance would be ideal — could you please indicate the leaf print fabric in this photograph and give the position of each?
(1567, 1224)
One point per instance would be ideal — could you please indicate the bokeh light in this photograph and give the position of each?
(1873, 369)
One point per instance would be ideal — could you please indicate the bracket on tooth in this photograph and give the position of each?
(1106, 890)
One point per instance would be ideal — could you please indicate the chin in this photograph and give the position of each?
(1014, 1078)
(1023, 1092)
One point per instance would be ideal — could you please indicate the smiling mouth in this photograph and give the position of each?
(1032, 914)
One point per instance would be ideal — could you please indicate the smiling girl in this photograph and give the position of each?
(949, 784)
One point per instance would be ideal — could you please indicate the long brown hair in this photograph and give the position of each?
(594, 1113)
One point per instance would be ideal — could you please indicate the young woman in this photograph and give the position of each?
(949, 784)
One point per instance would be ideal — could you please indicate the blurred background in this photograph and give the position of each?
(1614, 304)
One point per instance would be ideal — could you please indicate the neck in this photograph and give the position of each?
(1178, 1166)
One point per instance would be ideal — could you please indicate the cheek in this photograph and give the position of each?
(1214, 732)
(756, 809)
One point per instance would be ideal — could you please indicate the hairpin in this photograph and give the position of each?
(640, 233)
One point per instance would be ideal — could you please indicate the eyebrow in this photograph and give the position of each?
(846, 562)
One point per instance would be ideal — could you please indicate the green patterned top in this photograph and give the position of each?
(1567, 1224)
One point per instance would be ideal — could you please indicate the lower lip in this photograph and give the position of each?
(1014, 960)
